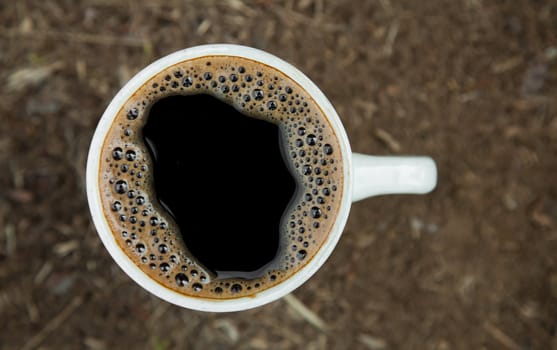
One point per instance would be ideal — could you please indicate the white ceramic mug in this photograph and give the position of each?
(364, 176)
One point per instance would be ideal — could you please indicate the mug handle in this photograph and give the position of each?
(378, 175)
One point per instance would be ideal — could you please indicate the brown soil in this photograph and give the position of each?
(472, 83)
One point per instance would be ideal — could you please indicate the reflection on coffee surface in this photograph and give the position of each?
(220, 177)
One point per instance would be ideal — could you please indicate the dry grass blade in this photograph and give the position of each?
(34, 341)
(293, 18)
(94, 344)
(371, 342)
(152, 4)
(387, 6)
(203, 27)
(64, 248)
(306, 313)
(43, 273)
(390, 39)
(506, 65)
(32, 311)
(31, 76)
(550, 53)
(388, 140)
(240, 6)
(9, 232)
(501, 337)
(81, 38)
(160, 310)
(229, 328)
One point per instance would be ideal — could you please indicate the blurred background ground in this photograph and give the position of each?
(473, 83)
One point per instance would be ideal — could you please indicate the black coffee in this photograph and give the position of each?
(220, 177)
(215, 196)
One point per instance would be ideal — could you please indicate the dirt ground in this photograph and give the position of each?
(472, 83)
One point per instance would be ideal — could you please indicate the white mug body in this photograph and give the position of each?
(107, 236)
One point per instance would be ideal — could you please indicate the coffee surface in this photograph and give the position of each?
(158, 239)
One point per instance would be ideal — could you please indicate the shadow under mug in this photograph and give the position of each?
(364, 176)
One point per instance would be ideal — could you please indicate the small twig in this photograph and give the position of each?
(306, 313)
(9, 232)
(43, 273)
(203, 27)
(293, 18)
(501, 337)
(81, 38)
(229, 328)
(390, 39)
(388, 140)
(506, 65)
(64, 248)
(387, 6)
(53, 324)
(319, 8)
(33, 311)
(240, 6)
(160, 310)
(371, 342)
(151, 4)
(31, 76)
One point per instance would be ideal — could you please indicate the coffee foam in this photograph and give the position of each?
(148, 234)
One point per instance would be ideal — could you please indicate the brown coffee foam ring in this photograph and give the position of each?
(301, 112)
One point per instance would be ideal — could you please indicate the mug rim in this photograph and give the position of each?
(109, 240)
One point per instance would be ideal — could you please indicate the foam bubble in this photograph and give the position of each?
(121, 186)
(181, 279)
